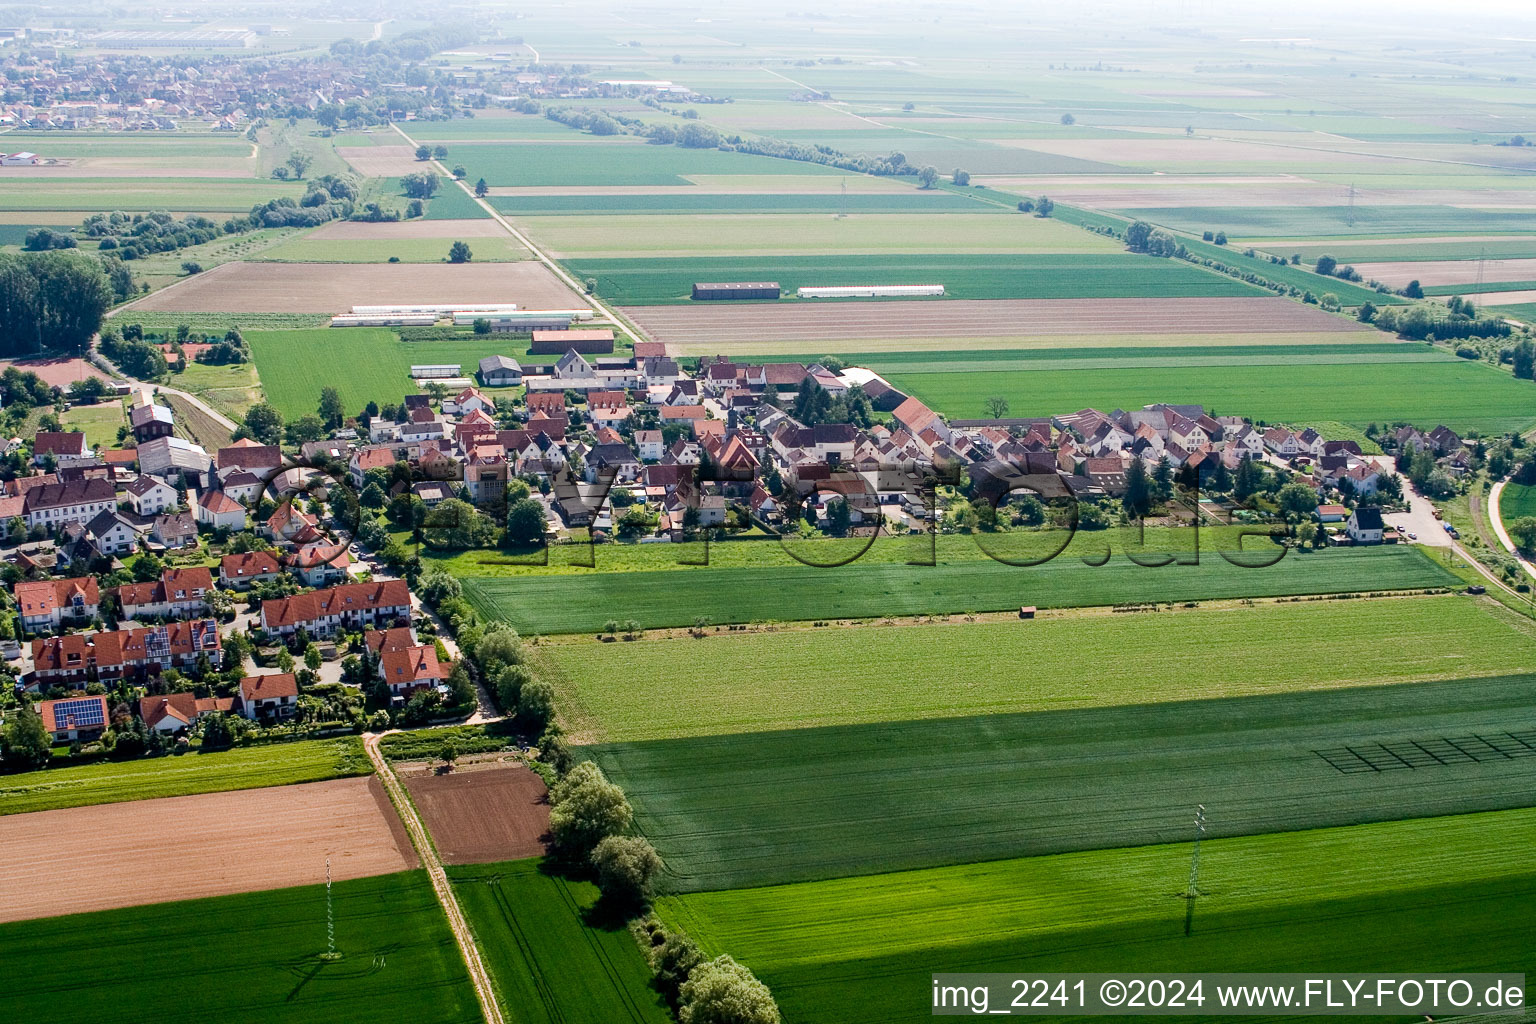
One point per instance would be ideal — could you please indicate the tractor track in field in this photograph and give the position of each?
(457, 923)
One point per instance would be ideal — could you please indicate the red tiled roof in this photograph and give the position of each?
(267, 687)
(55, 723)
(248, 564)
(349, 597)
(42, 597)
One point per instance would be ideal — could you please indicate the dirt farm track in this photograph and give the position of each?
(760, 322)
(486, 814)
(336, 287)
(186, 847)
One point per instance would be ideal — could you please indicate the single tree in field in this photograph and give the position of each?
(332, 412)
(626, 867)
(299, 162)
(459, 171)
(996, 406)
(440, 152)
(928, 177)
(723, 991)
(482, 189)
(961, 177)
(448, 753)
(423, 153)
(459, 252)
(1044, 206)
(1068, 119)
(587, 809)
(1326, 265)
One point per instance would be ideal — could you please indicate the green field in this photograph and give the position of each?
(248, 959)
(1309, 222)
(588, 162)
(180, 195)
(756, 235)
(214, 322)
(683, 201)
(1368, 349)
(378, 362)
(1461, 394)
(671, 688)
(109, 782)
(662, 281)
(100, 422)
(551, 965)
(406, 250)
(583, 603)
(1437, 894)
(771, 807)
(1516, 501)
(453, 203)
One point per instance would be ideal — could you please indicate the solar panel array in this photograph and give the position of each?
(205, 635)
(80, 714)
(157, 643)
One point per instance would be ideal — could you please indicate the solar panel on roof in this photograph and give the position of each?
(79, 713)
(157, 643)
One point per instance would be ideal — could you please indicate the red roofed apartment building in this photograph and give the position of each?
(350, 606)
(124, 654)
(179, 594)
(48, 603)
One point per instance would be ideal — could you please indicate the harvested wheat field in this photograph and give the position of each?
(486, 813)
(335, 288)
(389, 231)
(1448, 272)
(185, 847)
(382, 161)
(769, 322)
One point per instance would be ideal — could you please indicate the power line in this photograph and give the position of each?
(1194, 871)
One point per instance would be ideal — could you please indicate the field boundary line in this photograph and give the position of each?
(528, 243)
(457, 923)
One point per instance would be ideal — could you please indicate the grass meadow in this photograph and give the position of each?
(684, 201)
(179, 195)
(247, 959)
(693, 236)
(109, 782)
(573, 603)
(772, 807)
(1309, 222)
(1435, 894)
(1461, 394)
(673, 688)
(377, 364)
(100, 422)
(666, 281)
(585, 162)
(549, 961)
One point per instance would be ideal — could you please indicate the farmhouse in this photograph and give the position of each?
(65, 448)
(219, 511)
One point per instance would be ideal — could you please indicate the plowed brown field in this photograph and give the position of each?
(484, 815)
(186, 847)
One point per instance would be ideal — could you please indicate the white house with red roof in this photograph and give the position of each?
(219, 511)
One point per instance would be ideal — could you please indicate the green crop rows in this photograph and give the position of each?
(550, 962)
(1433, 894)
(247, 959)
(1461, 394)
(635, 282)
(670, 688)
(582, 604)
(609, 163)
(765, 808)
